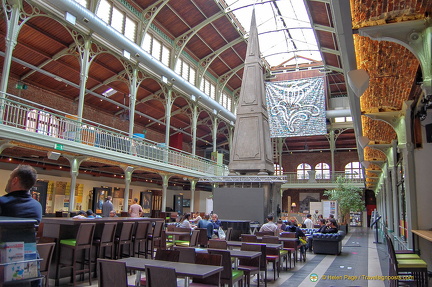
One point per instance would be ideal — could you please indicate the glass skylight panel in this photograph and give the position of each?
(283, 26)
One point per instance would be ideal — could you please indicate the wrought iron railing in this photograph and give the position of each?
(34, 118)
(293, 177)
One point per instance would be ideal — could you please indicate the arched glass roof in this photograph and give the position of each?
(285, 32)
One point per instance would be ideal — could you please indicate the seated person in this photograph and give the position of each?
(293, 227)
(331, 226)
(81, 214)
(113, 213)
(195, 218)
(184, 221)
(269, 226)
(281, 226)
(90, 214)
(205, 223)
(322, 224)
(216, 223)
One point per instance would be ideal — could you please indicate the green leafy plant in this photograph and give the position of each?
(348, 197)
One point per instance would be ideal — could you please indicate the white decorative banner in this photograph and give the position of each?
(296, 107)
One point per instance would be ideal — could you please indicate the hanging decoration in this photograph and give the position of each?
(296, 107)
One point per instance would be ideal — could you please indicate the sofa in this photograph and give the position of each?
(327, 243)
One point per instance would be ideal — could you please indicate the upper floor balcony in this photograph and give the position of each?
(27, 122)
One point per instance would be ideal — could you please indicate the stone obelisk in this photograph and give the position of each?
(251, 151)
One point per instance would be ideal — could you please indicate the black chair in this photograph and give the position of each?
(81, 249)
(160, 276)
(254, 266)
(187, 254)
(228, 276)
(207, 259)
(249, 238)
(140, 238)
(45, 251)
(106, 241)
(167, 255)
(154, 237)
(112, 273)
(217, 244)
(125, 238)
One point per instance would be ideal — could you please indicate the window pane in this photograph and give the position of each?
(185, 71)
(156, 49)
(192, 73)
(165, 56)
(104, 10)
(117, 20)
(130, 29)
(82, 2)
(146, 44)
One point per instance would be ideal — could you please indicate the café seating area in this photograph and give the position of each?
(257, 259)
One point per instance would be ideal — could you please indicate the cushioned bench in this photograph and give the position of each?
(328, 243)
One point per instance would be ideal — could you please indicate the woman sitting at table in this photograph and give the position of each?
(184, 222)
(293, 227)
(331, 226)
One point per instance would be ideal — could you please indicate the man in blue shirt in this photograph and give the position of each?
(18, 201)
(205, 223)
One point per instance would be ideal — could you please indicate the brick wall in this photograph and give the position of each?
(342, 158)
(291, 161)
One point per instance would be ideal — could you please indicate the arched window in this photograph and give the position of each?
(278, 169)
(42, 122)
(354, 170)
(322, 171)
(302, 171)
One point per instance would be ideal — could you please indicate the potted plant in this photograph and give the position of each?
(348, 197)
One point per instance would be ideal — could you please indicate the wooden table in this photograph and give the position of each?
(425, 234)
(268, 245)
(186, 270)
(178, 233)
(237, 254)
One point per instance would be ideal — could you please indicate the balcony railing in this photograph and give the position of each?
(34, 118)
(294, 178)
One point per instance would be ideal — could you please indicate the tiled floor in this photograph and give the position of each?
(360, 257)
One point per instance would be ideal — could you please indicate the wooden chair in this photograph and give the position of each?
(283, 253)
(217, 244)
(228, 276)
(167, 255)
(254, 266)
(293, 247)
(288, 234)
(160, 276)
(125, 238)
(207, 259)
(193, 240)
(187, 254)
(263, 233)
(45, 251)
(112, 273)
(140, 237)
(406, 266)
(155, 236)
(81, 244)
(164, 255)
(249, 238)
(228, 234)
(202, 237)
(106, 241)
(182, 240)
